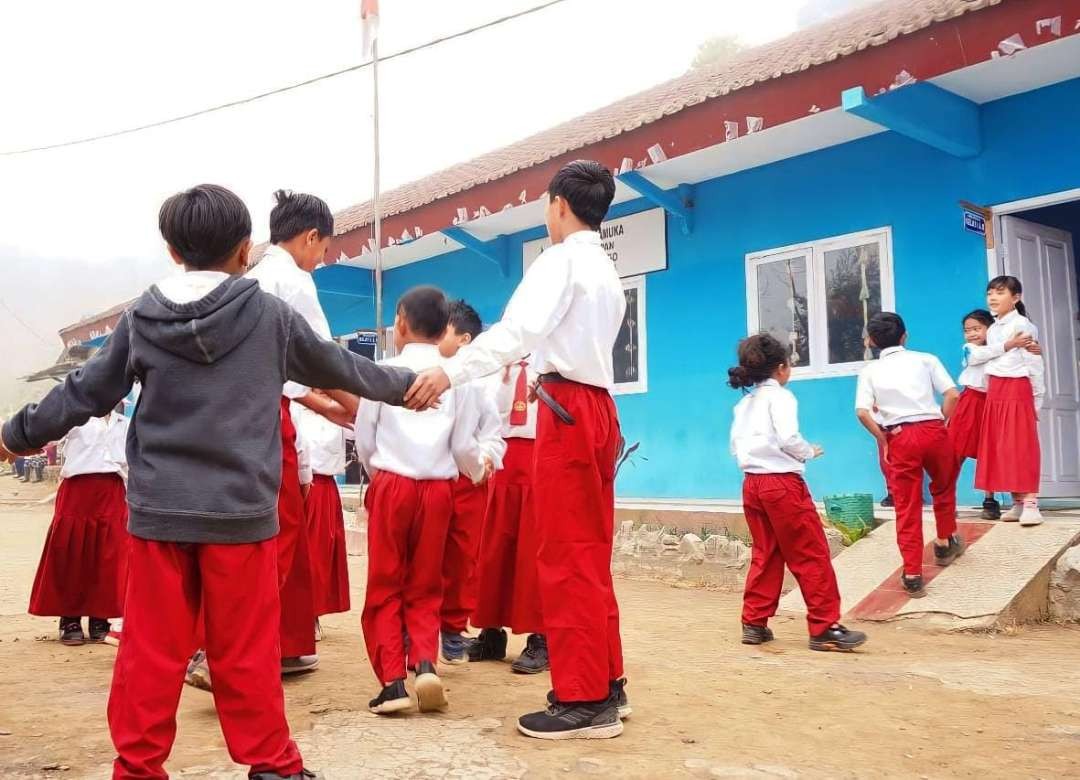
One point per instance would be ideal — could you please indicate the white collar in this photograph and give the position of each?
(1012, 315)
(770, 382)
(891, 351)
(583, 237)
(418, 348)
(275, 253)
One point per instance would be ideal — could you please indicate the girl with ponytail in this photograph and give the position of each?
(1009, 459)
(783, 521)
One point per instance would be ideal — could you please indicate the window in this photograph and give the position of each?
(629, 355)
(816, 299)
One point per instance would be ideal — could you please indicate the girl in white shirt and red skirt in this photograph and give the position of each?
(783, 520)
(83, 568)
(1009, 458)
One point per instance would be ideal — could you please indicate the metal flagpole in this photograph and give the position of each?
(377, 220)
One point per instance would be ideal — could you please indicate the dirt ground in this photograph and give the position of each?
(913, 704)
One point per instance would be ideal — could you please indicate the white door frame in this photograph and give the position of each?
(995, 262)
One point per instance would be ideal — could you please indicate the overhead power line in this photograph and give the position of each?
(289, 88)
(22, 322)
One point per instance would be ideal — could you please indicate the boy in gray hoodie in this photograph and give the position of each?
(211, 351)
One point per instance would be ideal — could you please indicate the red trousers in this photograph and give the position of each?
(459, 557)
(786, 529)
(84, 564)
(294, 559)
(235, 586)
(1010, 460)
(407, 522)
(507, 589)
(576, 516)
(913, 449)
(329, 562)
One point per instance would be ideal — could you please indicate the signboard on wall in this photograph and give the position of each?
(637, 244)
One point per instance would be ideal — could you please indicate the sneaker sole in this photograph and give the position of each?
(487, 658)
(950, 560)
(607, 731)
(286, 671)
(73, 642)
(392, 706)
(625, 711)
(112, 641)
(836, 647)
(1031, 523)
(452, 661)
(530, 669)
(746, 641)
(430, 693)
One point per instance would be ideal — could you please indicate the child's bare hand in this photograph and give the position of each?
(1035, 348)
(818, 450)
(1019, 341)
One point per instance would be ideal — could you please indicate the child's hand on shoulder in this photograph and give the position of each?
(1019, 341)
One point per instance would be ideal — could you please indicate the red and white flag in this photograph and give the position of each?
(369, 23)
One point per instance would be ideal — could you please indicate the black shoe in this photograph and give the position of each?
(887, 502)
(392, 698)
(616, 695)
(534, 658)
(71, 633)
(943, 556)
(756, 635)
(489, 646)
(430, 694)
(836, 637)
(913, 586)
(303, 774)
(99, 629)
(578, 720)
(991, 509)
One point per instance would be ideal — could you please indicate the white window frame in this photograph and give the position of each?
(642, 383)
(814, 252)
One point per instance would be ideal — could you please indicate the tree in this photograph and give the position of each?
(715, 50)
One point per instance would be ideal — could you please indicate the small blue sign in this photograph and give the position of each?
(367, 338)
(974, 223)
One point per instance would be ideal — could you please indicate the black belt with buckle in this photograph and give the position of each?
(544, 396)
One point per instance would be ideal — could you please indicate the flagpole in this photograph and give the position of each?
(377, 220)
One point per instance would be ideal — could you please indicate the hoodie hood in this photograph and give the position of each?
(205, 330)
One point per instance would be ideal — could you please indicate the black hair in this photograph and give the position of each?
(1012, 284)
(759, 357)
(298, 212)
(979, 315)
(426, 311)
(886, 329)
(587, 187)
(465, 319)
(204, 225)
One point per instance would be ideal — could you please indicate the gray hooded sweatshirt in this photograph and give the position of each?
(204, 445)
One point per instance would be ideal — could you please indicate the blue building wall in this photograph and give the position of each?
(696, 310)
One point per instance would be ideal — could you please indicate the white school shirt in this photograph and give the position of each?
(1016, 362)
(488, 440)
(765, 436)
(98, 447)
(974, 373)
(190, 286)
(433, 444)
(504, 384)
(902, 384)
(278, 274)
(324, 441)
(570, 304)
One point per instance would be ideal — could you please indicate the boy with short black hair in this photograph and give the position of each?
(413, 461)
(895, 401)
(470, 496)
(569, 307)
(203, 481)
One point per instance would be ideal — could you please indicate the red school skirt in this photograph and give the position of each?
(84, 565)
(1009, 459)
(326, 535)
(965, 425)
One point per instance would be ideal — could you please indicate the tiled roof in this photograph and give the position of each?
(873, 25)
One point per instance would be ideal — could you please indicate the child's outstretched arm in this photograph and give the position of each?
(90, 391)
(315, 362)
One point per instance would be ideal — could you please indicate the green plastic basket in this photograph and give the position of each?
(852, 513)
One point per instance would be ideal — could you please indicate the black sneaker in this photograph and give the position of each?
(616, 695)
(991, 509)
(71, 633)
(534, 658)
(913, 585)
(577, 720)
(489, 646)
(943, 556)
(838, 638)
(303, 774)
(756, 635)
(99, 629)
(887, 502)
(430, 694)
(392, 698)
